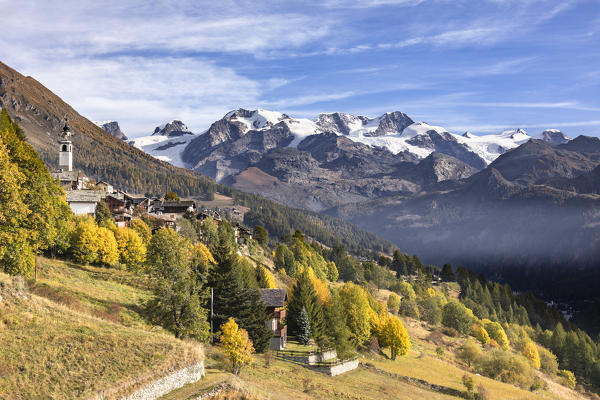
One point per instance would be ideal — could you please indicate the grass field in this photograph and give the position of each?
(60, 347)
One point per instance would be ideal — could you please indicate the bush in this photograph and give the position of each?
(568, 378)
(530, 351)
(393, 303)
(538, 384)
(548, 362)
(430, 310)
(506, 367)
(481, 334)
(456, 315)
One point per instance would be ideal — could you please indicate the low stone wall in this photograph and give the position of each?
(310, 359)
(169, 383)
(343, 367)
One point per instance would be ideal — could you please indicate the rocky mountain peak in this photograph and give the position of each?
(112, 127)
(340, 123)
(173, 128)
(394, 122)
(555, 136)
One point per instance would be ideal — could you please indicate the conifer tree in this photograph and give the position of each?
(260, 235)
(304, 296)
(304, 333)
(447, 274)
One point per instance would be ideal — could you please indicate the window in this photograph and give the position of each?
(64, 147)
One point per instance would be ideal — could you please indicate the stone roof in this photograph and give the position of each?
(273, 297)
(85, 196)
(67, 176)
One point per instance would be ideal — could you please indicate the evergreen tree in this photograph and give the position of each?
(304, 333)
(102, 213)
(171, 196)
(447, 274)
(304, 296)
(260, 235)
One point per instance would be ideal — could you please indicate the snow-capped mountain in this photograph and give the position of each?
(112, 127)
(167, 142)
(173, 128)
(395, 132)
(554, 136)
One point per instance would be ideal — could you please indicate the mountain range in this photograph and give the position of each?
(496, 202)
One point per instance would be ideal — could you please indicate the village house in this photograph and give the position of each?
(107, 187)
(84, 202)
(274, 300)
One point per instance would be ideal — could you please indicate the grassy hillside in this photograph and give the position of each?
(84, 333)
(75, 345)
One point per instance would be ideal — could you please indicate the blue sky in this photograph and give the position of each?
(481, 65)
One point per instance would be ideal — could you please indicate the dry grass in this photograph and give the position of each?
(58, 351)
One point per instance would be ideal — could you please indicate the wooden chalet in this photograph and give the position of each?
(274, 300)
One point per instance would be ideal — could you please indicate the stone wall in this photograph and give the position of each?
(169, 383)
(341, 368)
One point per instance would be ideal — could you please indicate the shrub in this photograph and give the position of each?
(538, 384)
(506, 367)
(568, 378)
(430, 310)
(548, 362)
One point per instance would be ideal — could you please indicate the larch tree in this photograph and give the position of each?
(394, 335)
(530, 351)
(236, 345)
(357, 312)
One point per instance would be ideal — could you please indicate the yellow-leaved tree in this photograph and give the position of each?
(393, 334)
(108, 252)
(530, 351)
(142, 229)
(481, 334)
(85, 240)
(393, 303)
(237, 346)
(357, 312)
(496, 332)
(265, 278)
(132, 250)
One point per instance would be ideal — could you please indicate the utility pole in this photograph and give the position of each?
(211, 317)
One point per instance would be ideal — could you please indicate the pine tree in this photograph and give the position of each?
(260, 235)
(102, 213)
(304, 296)
(447, 274)
(304, 333)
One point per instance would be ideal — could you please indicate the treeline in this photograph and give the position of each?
(574, 349)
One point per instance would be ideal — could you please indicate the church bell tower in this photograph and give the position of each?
(65, 152)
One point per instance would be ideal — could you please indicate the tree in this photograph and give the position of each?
(409, 308)
(456, 315)
(531, 353)
(179, 275)
(496, 332)
(16, 256)
(304, 333)
(481, 334)
(393, 303)
(406, 290)
(132, 250)
(469, 352)
(430, 310)
(284, 258)
(236, 345)
(337, 330)
(171, 196)
(142, 229)
(187, 229)
(548, 363)
(332, 271)
(108, 252)
(85, 243)
(304, 296)
(357, 311)
(103, 214)
(447, 274)
(265, 278)
(394, 335)
(260, 235)
(209, 232)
